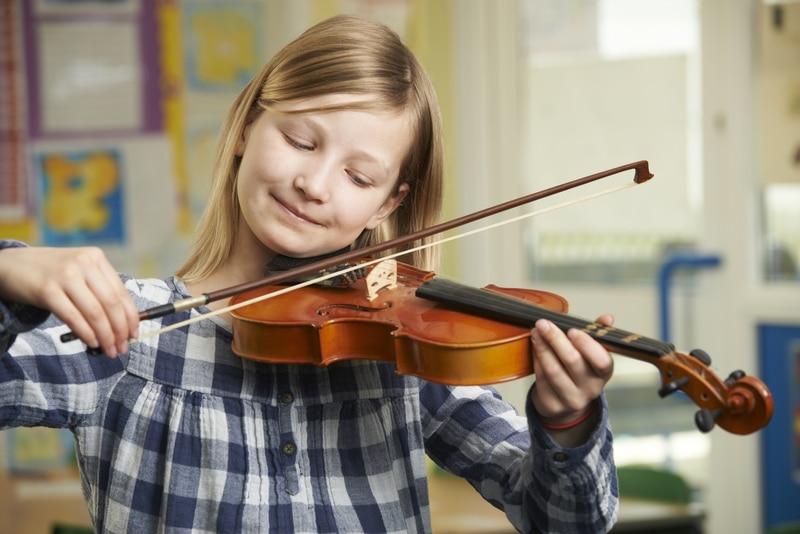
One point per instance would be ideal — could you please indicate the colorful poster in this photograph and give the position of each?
(81, 197)
(222, 44)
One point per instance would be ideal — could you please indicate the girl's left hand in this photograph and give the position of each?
(571, 371)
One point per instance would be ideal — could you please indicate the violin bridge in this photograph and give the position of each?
(383, 276)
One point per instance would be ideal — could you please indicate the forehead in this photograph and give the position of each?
(334, 102)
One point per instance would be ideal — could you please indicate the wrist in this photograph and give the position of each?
(557, 424)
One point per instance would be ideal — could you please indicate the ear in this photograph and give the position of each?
(241, 143)
(388, 207)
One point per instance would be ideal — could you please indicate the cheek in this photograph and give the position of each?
(359, 214)
(262, 166)
(263, 150)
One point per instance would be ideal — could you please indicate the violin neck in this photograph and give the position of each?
(512, 310)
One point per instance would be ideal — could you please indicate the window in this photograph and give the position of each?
(609, 82)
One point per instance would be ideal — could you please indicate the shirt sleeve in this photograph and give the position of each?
(515, 464)
(43, 381)
(16, 318)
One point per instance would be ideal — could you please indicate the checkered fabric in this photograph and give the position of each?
(180, 435)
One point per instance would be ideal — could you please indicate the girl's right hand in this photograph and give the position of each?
(79, 286)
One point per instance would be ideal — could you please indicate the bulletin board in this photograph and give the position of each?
(88, 87)
(110, 111)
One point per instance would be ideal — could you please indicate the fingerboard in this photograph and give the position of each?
(512, 310)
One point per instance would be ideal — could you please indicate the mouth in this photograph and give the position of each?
(297, 214)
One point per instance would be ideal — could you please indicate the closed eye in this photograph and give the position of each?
(297, 144)
(358, 179)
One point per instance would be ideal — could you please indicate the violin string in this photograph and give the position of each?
(266, 296)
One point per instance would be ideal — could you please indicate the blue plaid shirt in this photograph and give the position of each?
(181, 435)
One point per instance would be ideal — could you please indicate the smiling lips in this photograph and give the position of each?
(297, 214)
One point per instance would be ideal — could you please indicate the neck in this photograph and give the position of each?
(244, 264)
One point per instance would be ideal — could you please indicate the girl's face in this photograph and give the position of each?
(309, 183)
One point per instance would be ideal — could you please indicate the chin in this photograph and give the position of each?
(295, 252)
(299, 249)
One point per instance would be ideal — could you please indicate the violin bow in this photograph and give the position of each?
(641, 174)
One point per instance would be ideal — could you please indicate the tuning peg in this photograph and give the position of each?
(705, 419)
(700, 354)
(733, 377)
(671, 387)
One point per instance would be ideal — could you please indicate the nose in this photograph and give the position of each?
(315, 183)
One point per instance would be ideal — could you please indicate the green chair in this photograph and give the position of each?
(785, 528)
(644, 482)
(656, 485)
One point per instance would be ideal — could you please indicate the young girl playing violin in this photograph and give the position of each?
(336, 143)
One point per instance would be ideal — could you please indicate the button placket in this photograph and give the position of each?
(288, 447)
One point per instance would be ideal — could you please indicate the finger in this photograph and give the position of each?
(114, 313)
(575, 368)
(62, 307)
(594, 355)
(94, 282)
(546, 401)
(92, 310)
(123, 298)
(555, 394)
(550, 367)
(567, 355)
(118, 306)
(606, 319)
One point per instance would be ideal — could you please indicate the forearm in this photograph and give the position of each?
(579, 481)
(541, 485)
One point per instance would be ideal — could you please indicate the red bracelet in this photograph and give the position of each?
(571, 424)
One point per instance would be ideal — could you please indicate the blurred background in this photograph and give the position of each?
(109, 112)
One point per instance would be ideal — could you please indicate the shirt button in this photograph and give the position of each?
(286, 397)
(289, 449)
(560, 457)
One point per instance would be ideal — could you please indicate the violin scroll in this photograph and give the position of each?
(749, 408)
(740, 404)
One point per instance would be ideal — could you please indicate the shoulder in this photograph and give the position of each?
(10, 243)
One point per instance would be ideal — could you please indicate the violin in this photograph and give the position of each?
(450, 333)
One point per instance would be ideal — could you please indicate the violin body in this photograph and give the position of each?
(322, 325)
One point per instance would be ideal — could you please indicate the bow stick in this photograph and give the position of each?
(641, 174)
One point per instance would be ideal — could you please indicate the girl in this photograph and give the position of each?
(336, 143)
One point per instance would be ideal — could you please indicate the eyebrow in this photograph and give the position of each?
(364, 155)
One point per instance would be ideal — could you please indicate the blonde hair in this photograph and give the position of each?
(346, 55)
